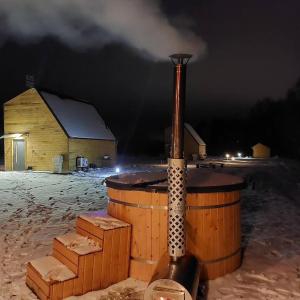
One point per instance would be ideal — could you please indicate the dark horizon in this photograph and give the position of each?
(252, 54)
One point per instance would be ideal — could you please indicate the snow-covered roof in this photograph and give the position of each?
(194, 134)
(79, 119)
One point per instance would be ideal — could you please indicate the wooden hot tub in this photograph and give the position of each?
(213, 219)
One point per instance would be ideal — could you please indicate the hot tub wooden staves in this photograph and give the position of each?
(212, 219)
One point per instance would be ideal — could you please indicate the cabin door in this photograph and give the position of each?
(19, 155)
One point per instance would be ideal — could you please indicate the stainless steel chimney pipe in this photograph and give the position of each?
(177, 274)
(176, 162)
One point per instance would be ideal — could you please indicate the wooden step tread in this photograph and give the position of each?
(79, 244)
(51, 270)
(102, 220)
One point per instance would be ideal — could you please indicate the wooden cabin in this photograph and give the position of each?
(261, 151)
(42, 129)
(194, 146)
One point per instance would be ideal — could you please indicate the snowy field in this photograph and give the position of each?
(35, 207)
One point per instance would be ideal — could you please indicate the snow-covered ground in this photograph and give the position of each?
(35, 207)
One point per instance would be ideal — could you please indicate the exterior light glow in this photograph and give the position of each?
(227, 155)
(239, 154)
(118, 170)
(232, 158)
(17, 135)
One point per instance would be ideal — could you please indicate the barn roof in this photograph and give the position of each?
(79, 119)
(194, 134)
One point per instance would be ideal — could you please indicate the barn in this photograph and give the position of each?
(41, 128)
(261, 151)
(194, 146)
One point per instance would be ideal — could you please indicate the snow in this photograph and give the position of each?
(103, 220)
(36, 207)
(127, 289)
(79, 119)
(52, 269)
(78, 243)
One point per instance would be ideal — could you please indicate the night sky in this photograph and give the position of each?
(252, 52)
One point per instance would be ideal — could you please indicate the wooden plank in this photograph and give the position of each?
(88, 273)
(163, 226)
(35, 289)
(89, 227)
(155, 229)
(93, 150)
(68, 288)
(89, 235)
(67, 253)
(141, 271)
(97, 269)
(124, 253)
(65, 261)
(56, 292)
(148, 232)
(114, 264)
(78, 282)
(37, 279)
(107, 251)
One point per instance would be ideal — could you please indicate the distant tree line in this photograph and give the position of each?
(275, 123)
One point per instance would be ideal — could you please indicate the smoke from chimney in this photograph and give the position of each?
(140, 24)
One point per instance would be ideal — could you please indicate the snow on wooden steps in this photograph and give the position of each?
(72, 249)
(49, 278)
(51, 270)
(114, 236)
(103, 221)
(93, 225)
(80, 244)
(97, 256)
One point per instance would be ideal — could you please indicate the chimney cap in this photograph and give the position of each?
(180, 58)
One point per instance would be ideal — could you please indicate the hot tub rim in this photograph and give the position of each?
(164, 189)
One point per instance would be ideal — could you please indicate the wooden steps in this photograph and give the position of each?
(48, 278)
(93, 258)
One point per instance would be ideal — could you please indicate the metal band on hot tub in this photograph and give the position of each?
(165, 207)
(153, 262)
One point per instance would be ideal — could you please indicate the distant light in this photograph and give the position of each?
(227, 155)
(239, 154)
(118, 170)
(232, 158)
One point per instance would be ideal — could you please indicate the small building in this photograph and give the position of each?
(194, 146)
(42, 129)
(261, 151)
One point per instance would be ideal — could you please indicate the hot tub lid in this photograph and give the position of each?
(198, 180)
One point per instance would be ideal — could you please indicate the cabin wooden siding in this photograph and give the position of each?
(28, 113)
(261, 151)
(202, 151)
(93, 150)
(190, 145)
